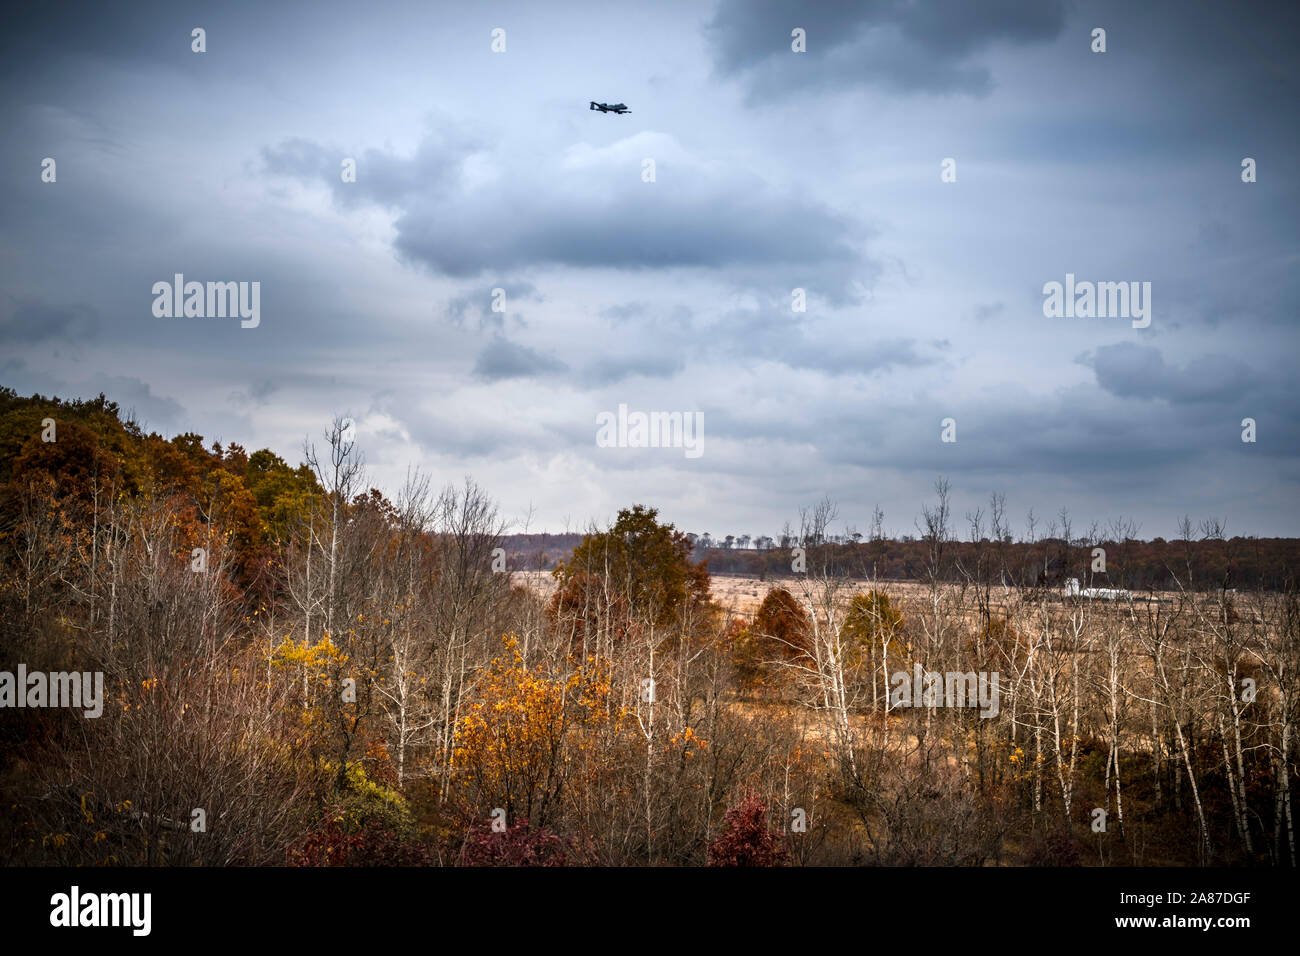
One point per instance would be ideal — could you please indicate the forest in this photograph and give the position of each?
(298, 669)
(1042, 558)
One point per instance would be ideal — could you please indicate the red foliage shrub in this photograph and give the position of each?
(745, 839)
(372, 845)
(1056, 847)
(516, 846)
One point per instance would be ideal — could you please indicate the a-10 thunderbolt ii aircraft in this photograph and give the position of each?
(619, 108)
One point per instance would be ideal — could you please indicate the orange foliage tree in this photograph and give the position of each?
(519, 741)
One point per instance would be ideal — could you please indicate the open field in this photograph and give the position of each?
(742, 594)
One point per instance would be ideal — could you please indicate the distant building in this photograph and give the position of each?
(1072, 589)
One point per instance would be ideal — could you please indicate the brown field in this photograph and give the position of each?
(742, 594)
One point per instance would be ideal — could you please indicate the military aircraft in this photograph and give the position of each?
(606, 108)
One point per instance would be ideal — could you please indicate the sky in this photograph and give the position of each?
(481, 169)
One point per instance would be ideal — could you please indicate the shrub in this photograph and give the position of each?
(745, 839)
(517, 845)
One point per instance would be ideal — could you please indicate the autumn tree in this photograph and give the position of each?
(779, 633)
(745, 839)
(638, 569)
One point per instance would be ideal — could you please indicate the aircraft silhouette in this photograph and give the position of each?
(606, 108)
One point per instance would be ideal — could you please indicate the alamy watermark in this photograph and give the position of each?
(651, 430)
(56, 689)
(951, 689)
(74, 908)
(215, 300)
(1101, 300)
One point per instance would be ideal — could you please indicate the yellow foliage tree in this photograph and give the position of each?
(519, 742)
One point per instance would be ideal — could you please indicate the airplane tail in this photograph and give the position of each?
(593, 105)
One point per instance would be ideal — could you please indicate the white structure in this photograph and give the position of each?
(1072, 589)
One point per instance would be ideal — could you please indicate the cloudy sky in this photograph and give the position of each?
(773, 170)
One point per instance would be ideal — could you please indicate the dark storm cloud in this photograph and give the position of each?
(1068, 436)
(41, 37)
(1136, 371)
(600, 215)
(32, 320)
(503, 359)
(41, 32)
(922, 47)
(691, 227)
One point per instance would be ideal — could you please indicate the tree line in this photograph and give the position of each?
(298, 669)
